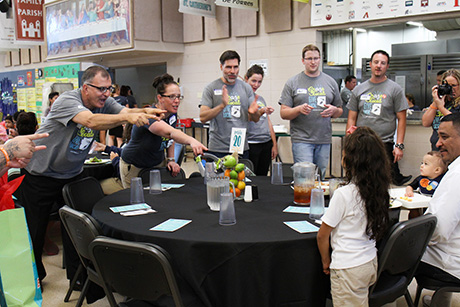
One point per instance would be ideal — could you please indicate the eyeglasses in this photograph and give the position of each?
(312, 59)
(103, 89)
(173, 97)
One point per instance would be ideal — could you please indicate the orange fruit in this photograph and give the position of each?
(241, 176)
(227, 172)
(237, 192)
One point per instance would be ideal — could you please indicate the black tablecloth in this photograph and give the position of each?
(257, 262)
(98, 171)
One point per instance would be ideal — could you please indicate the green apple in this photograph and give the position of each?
(233, 175)
(239, 167)
(234, 181)
(229, 161)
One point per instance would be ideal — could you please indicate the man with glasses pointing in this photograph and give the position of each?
(309, 100)
(71, 125)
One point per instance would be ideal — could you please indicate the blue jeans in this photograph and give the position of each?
(315, 153)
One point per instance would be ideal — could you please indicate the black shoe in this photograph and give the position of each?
(402, 180)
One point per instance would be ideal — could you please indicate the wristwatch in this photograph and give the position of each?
(400, 146)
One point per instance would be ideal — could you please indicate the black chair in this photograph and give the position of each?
(82, 229)
(83, 194)
(137, 270)
(424, 282)
(166, 175)
(399, 255)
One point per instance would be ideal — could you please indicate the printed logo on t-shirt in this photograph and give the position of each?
(317, 96)
(260, 104)
(165, 143)
(81, 140)
(233, 110)
(373, 103)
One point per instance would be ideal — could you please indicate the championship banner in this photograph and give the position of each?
(28, 17)
(240, 4)
(206, 8)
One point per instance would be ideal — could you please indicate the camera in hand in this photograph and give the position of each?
(444, 89)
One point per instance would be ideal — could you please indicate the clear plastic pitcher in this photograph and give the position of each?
(214, 187)
(304, 182)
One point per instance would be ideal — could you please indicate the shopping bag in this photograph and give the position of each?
(19, 276)
(6, 191)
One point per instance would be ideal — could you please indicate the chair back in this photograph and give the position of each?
(136, 270)
(166, 175)
(179, 153)
(82, 229)
(399, 255)
(83, 194)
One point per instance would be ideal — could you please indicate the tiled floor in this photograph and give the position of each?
(56, 284)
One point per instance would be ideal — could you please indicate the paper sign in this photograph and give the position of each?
(237, 140)
(129, 207)
(294, 209)
(171, 225)
(302, 226)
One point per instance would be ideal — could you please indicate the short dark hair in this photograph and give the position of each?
(349, 78)
(124, 90)
(229, 55)
(439, 73)
(16, 115)
(9, 117)
(52, 94)
(253, 70)
(455, 119)
(27, 123)
(381, 52)
(310, 47)
(92, 71)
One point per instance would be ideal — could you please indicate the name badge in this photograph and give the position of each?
(218, 92)
(301, 91)
(365, 97)
(237, 140)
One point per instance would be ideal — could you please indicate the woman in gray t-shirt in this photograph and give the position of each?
(261, 136)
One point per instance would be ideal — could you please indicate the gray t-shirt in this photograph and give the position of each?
(68, 143)
(345, 94)
(235, 113)
(377, 105)
(317, 92)
(259, 132)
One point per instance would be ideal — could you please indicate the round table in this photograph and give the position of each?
(259, 261)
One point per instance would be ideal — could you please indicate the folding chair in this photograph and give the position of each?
(137, 270)
(82, 229)
(399, 255)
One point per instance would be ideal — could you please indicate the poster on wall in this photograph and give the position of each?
(7, 32)
(28, 20)
(240, 4)
(329, 12)
(78, 27)
(206, 8)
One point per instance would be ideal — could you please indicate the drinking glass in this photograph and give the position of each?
(317, 204)
(137, 191)
(277, 173)
(155, 181)
(227, 210)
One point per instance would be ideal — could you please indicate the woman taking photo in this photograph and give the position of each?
(444, 105)
(148, 143)
(261, 136)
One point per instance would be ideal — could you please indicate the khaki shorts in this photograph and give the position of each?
(350, 287)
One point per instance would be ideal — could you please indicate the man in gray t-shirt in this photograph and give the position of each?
(229, 104)
(309, 100)
(71, 125)
(378, 103)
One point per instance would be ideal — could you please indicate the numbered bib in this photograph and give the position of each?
(237, 140)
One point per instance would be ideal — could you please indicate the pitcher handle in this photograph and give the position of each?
(233, 186)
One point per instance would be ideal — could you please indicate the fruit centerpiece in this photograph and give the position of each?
(234, 171)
